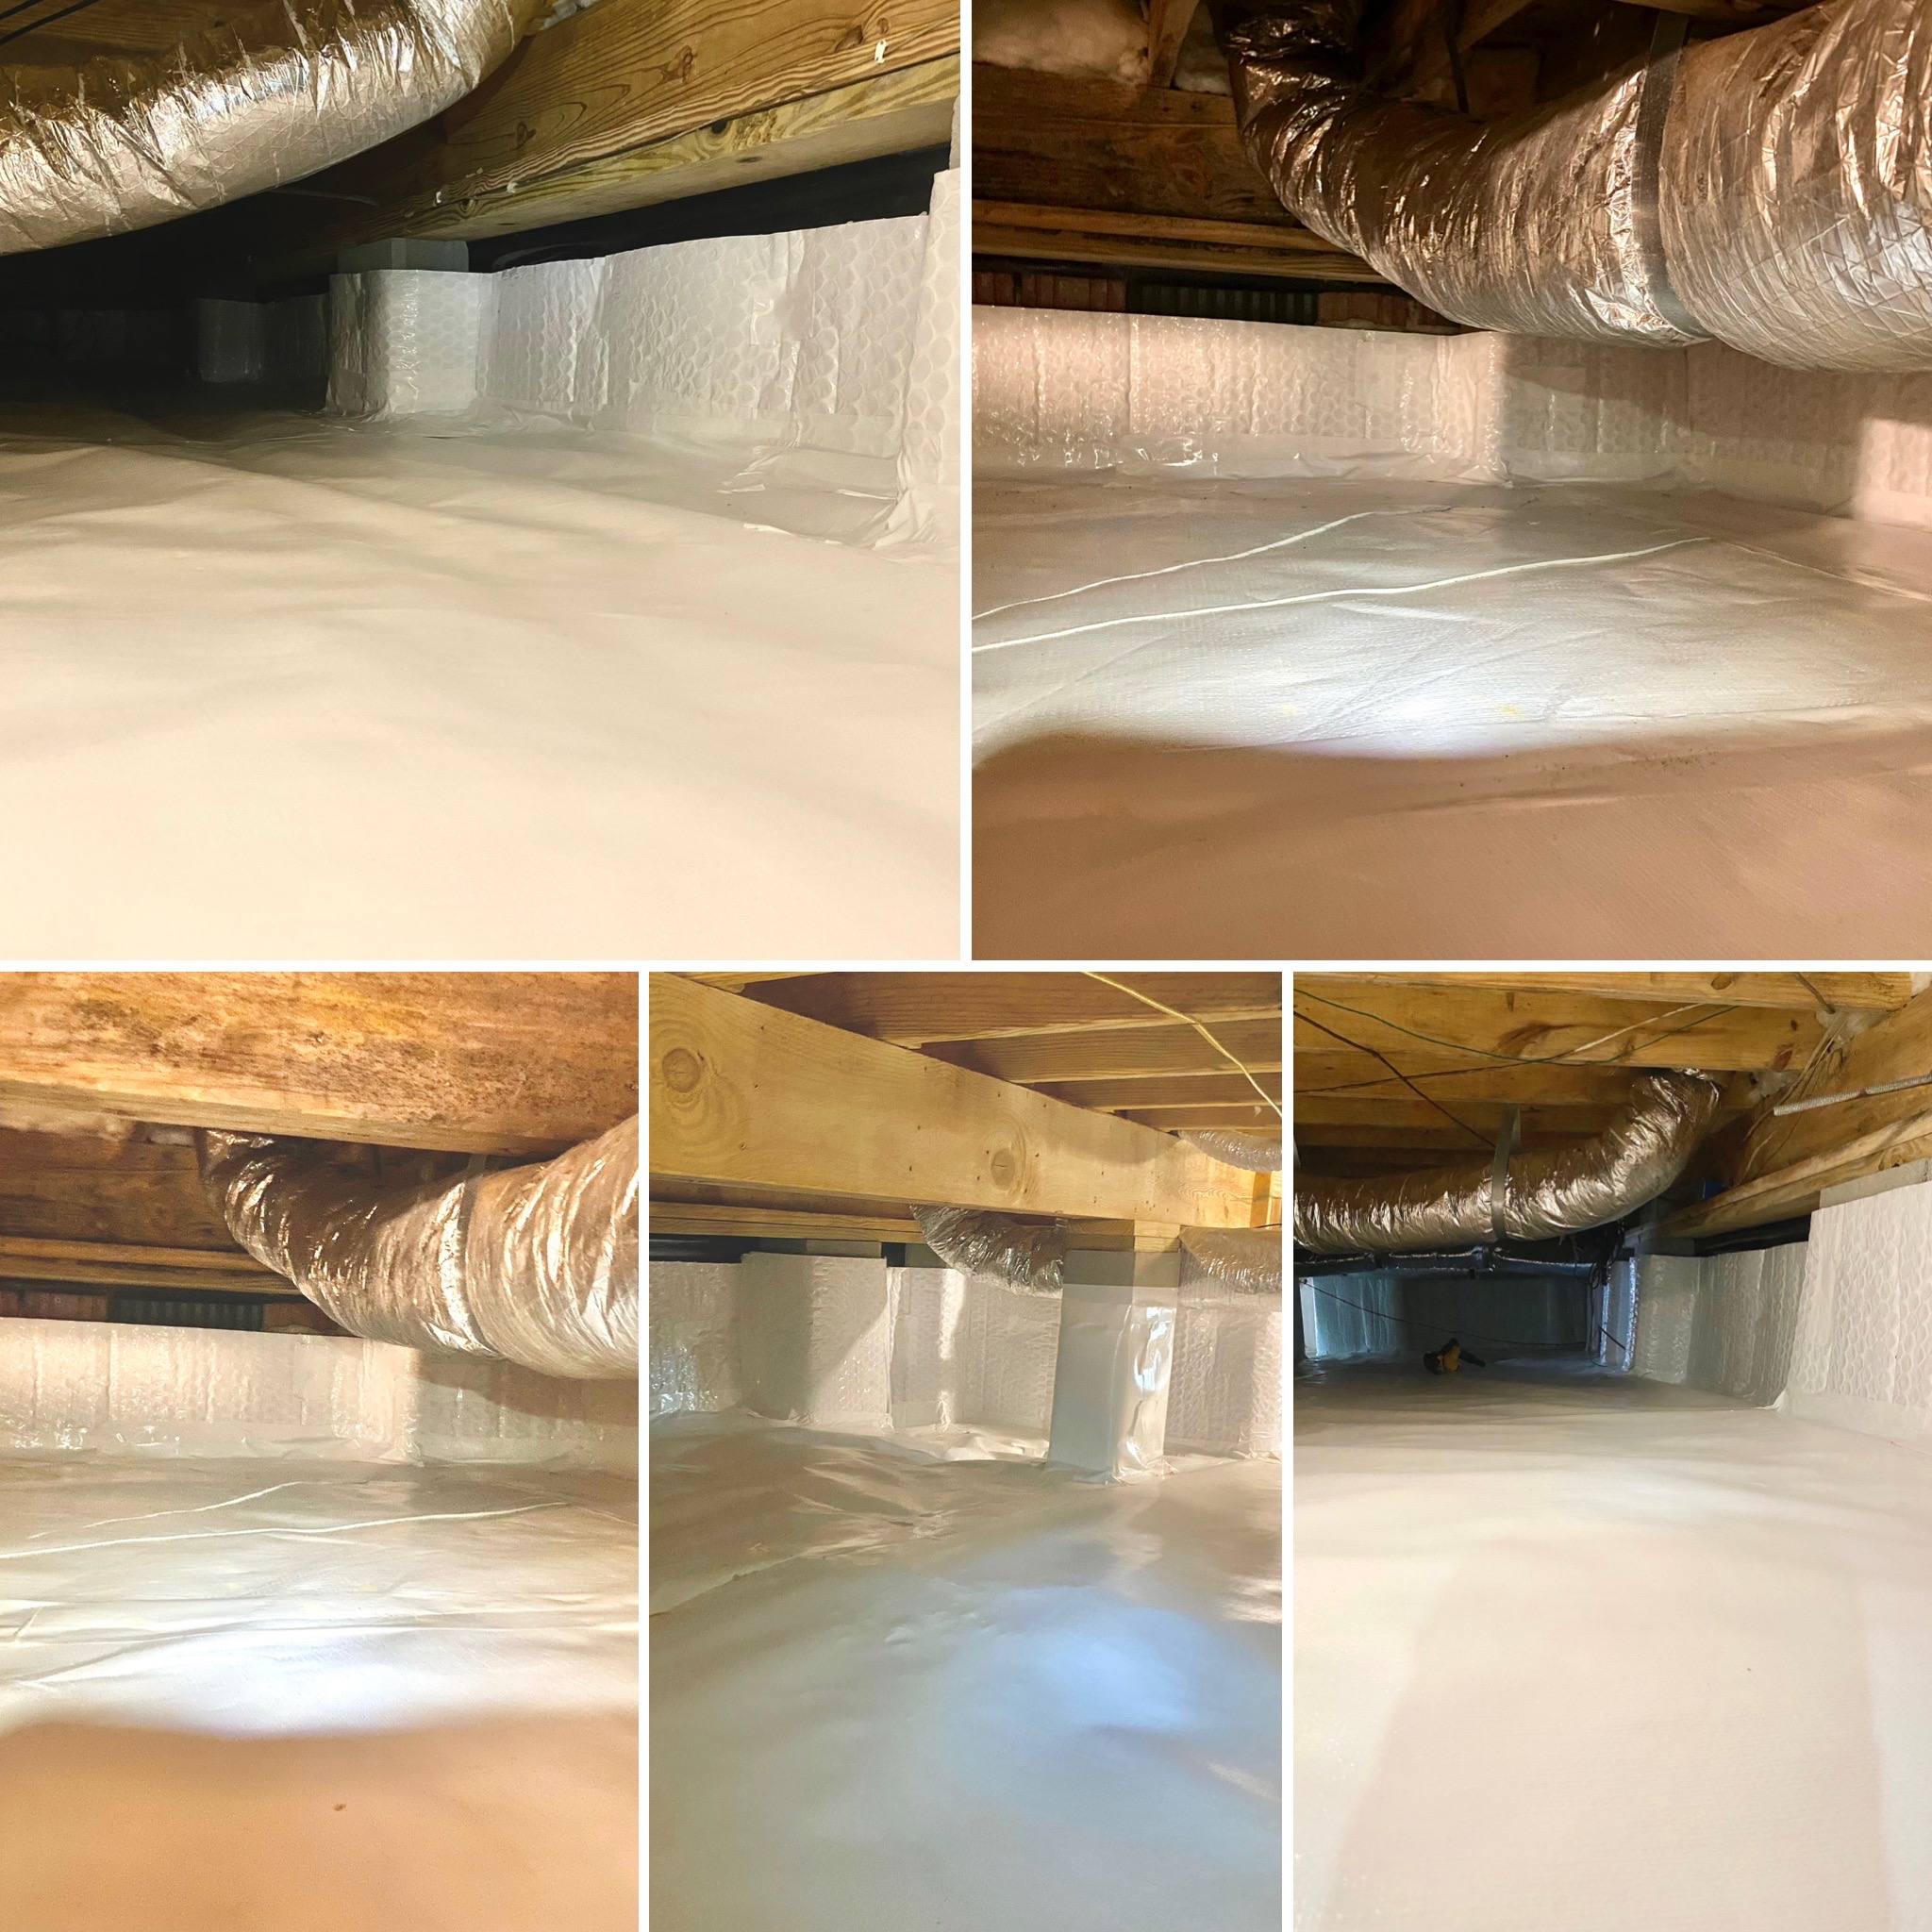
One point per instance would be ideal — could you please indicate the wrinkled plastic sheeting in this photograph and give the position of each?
(1537, 226)
(121, 1390)
(1055, 391)
(274, 94)
(1863, 1353)
(535, 1264)
(1542, 1194)
(1779, 205)
(1243, 1261)
(1258, 1153)
(1024, 1254)
(693, 1337)
(932, 447)
(1225, 1392)
(220, 1596)
(739, 342)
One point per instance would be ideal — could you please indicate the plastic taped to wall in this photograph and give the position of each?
(1225, 1392)
(1024, 1253)
(1863, 1353)
(535, 1264)
(693, 1337)
(1531, 1196)
(111, 1388)
(272, 94)
(220, 1596)
(815, 1338)
(933, 446)
(1243, 1261)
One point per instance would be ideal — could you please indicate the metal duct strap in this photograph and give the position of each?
(1770, 189)
(277, 94)
(1545, 1194)
(535, 1264)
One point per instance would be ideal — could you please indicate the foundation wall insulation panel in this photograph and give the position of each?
(1862, 1357)
(125, 1390)
(1055, 391)
(828, 1340)
(1723, 1323)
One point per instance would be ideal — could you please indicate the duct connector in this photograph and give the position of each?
(534, 1264)
(1770, 189)
(1528, 1197)
(276, 94)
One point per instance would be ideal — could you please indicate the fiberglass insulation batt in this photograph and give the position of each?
(1275, 627)
(613, 614)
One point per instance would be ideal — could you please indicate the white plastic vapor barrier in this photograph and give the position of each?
(120, 1391)
(1055, 391)
(248, 1599)
(1724, 1323)
(958, 1695)
(962, 1360)
(1598, 1653)
(1862, 1357)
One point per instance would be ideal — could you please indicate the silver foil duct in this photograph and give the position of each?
(1022, 1253)
(1244, 1259)
(535, 1264)
(280, 92)
(1534, 226)
(1772, 188)
(1258, 1153)
(1540, 1195)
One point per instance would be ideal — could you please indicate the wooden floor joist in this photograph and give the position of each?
(747, 1096)
(468, 1062)
(107, 1264)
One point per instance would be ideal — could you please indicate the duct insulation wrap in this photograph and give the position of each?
(1246, 1260)
(1770, 189)
(1258, 1153)
(273, 95)
(1022, 1253)
(535, 1264)
(1533, 1197)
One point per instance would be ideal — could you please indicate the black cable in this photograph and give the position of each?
(34, 26)
(1481, 1139)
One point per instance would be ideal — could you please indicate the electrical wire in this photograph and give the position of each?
(1428, 1099)
(33, 26)
(1185, 1019)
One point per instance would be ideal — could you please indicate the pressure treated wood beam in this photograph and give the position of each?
(583, 118)
(743, 1094)
(1801, 992)
(918, 1009)
(1896, 1048)
(1796, 1188)
(1186, 243)
(112, 1264)
(470, 1062)
(1397, 1019)
(752, 1222)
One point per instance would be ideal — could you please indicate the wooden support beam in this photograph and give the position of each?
(755, 1223)
(1798, 992)
(470, 1062)
(127, 1265)
(1172, 241)
(1148, 1053)
(1396, 1020)
(745, 1094)
(619, 80)
(1167, 26)
(1897, 1048)
(1173, 1089)
(1796, 1188)
(920, 1008)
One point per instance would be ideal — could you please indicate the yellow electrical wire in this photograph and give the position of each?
(1187, 1020)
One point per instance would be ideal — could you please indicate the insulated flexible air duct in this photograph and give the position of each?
(1532, 1198)
(535, 1264)
(1243, 1147)
(279, 93)
(1022, 1253)
(1770, 189)
(1244, 1259)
